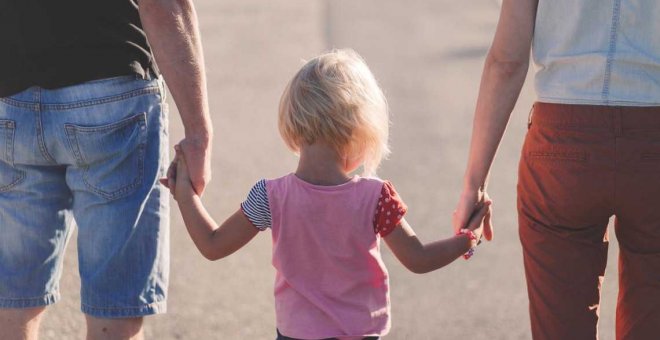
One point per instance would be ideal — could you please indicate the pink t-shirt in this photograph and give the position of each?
(330, 277)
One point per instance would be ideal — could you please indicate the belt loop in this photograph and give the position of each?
(148, 74)
(162, 86)
(618, 122)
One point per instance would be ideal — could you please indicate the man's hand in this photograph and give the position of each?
(178, 177)
(173, 33)
(197, 154)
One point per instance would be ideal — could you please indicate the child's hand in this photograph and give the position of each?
(476, 223)
(467, 206)
(169, 181)
(183, 186)
(178, 178)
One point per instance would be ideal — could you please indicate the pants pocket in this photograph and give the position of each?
(558, 155)
(9, 175)
(110, 156)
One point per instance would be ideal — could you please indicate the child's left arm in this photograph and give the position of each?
(423, 258)
(212, 241)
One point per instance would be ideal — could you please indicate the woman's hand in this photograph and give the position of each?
(477, 221)
(469, 205)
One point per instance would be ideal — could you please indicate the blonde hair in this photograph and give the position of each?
(335, 99)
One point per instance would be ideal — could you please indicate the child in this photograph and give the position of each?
(326, 225)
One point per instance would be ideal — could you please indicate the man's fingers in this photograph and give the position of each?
(196, 166)
(182, 168)
(199, 186)
(164, 181)
(170, 181)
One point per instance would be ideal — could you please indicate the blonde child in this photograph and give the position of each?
(326, 225)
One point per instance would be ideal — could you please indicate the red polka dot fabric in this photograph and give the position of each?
(389, 210)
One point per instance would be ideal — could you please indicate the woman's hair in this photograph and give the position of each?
(335, 99)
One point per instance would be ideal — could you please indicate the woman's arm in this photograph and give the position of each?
(503, 75)
(422, 258)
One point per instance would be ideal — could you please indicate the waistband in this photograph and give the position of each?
(598, 117)
(85, 94)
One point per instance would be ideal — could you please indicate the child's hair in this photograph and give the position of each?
(335, 99)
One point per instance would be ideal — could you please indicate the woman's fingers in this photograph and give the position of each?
(478, 216)
(488, 224)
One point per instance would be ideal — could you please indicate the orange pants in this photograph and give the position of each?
(580, 165)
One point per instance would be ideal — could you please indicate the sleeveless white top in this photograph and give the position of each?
(599, 52)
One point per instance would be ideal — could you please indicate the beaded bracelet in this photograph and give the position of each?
(473, 242)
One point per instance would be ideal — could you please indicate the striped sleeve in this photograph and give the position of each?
(256, 208)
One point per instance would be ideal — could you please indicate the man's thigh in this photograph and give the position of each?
(34, 200)
(118, 148)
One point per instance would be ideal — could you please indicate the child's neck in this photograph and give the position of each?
(319, 164)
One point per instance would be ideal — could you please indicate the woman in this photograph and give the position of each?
(592, 151)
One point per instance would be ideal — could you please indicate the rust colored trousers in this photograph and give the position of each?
(580, 165)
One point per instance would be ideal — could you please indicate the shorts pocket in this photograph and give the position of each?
(9, 175)
(111, 156)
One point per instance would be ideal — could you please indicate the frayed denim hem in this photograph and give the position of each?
(32, 302)
(125, 312)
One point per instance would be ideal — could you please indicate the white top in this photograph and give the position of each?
(600, 52)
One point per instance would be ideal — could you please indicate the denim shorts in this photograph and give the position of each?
(87, 155)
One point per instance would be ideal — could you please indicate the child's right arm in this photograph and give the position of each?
(423, 258)
(212, 241)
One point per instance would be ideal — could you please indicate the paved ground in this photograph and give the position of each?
(427, 56)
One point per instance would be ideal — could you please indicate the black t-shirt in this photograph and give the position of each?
(56, 43)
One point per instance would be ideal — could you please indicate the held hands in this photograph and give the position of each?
(197, 152)
(474, 228)
(470, 206)
(477, 221)
(178, 177)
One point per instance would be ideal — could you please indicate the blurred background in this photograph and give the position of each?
(428, 57)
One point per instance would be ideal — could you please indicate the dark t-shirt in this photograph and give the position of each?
(56, 43)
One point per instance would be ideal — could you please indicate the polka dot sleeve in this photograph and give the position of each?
(389, 210)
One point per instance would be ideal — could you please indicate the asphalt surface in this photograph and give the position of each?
(428, 57)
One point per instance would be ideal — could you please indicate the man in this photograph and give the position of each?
(83, 135)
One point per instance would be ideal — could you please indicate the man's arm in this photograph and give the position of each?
(172, 29)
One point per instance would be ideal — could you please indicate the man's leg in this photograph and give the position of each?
(33, 235)
(34, 228)
(114, 329)
(118, 148)
(20, 324)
